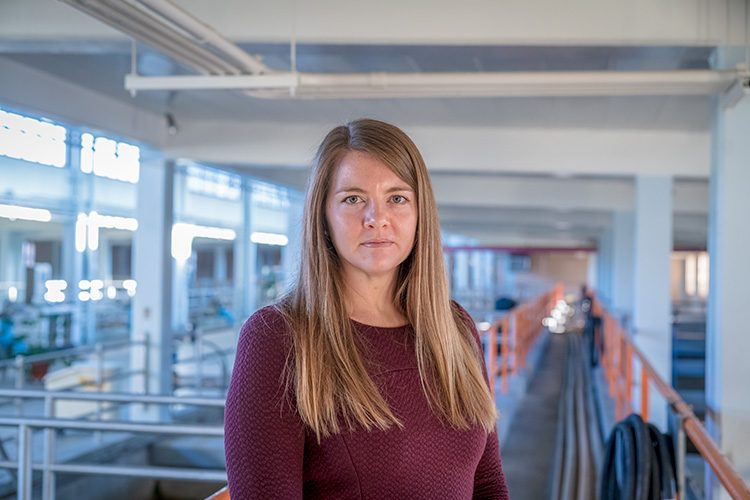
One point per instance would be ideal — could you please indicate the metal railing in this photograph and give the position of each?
(49, 424)
(99, 350)
(519, 329)
(619, 351)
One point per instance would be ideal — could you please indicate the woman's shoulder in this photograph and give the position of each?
(266, 329)
(269, 319)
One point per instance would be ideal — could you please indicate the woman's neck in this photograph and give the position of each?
(370, 301)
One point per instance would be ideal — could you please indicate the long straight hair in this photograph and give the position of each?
(328, 373)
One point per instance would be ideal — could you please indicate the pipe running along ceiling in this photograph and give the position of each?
(176, 33)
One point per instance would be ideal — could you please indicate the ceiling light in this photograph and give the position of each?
(14, 212)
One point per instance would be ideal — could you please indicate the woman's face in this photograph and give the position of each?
(372, 217)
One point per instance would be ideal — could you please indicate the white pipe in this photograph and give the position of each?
(205, 34)
(513, 84)
(132, 23)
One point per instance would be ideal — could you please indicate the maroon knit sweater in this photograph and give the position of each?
(271, 455)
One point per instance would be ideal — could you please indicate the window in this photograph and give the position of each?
(108, 158)
(214, 183)
(121, 261)
(270, 196)
(32, 140)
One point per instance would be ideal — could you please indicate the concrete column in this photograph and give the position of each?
(220, 264)
(461, 271)
(592, 277)
(727, 338)
(72, 260)
(604, 253)
(623, 232)
(652, 265)
(244, 261)
(11, 243)
(152, 271)
(290, 255)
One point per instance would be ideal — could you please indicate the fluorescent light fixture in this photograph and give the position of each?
(130, 286)
(54, 291)
(81, 224)
(84, 284)
(184, 233)
(703, 276)
(84, 296)
(93, 230)
(269, 238)
(13, 294)
(96, 290)
(14, 212)
(690, 275)
(111, 292)
(112, 222)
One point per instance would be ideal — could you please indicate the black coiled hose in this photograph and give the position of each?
(638, 463)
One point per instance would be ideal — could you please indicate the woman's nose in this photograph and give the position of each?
(375, 216)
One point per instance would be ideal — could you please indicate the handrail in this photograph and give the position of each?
(25, 466)
(111, 397)
(69, 351)
(619, 373)
(49, 423)
(522, 325)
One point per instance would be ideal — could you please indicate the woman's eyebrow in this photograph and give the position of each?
(360, 190)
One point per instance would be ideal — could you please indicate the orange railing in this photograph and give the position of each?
(519, 329)
(618, 351)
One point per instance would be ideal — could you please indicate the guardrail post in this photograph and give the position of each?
(680, 456)
(146, 360)
(198, 355)
(629, 376)
(99, 350)
(48, 476)
(644, 394)
(19, 381)
(505, 354)
(492, 335)
(24, 463)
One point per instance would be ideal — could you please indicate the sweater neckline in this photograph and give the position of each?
(385, 328)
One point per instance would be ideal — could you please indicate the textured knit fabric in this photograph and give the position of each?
(271, 455)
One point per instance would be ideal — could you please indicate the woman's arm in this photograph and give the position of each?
(489, 480)
(264, 438)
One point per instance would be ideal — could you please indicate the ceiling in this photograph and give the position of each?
(99, 64)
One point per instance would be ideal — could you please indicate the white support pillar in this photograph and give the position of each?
(11, 260)
(727, 337)
(461, 272)
(152, 271)
(290, 255)
(72, 260)
(220, 264)
(244, 261)
(623, 232)
(182, 270)
(652, 301)
(604, 260)
(592, 273)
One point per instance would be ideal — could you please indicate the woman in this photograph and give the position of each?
(365, 381)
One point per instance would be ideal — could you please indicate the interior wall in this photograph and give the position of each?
(570, 269)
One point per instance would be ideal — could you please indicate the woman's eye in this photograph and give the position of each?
(351, 199)
(398, 199)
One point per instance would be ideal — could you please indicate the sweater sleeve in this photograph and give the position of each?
(264, 437)
(489, 480)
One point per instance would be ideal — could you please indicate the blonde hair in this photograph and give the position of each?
(329, 375)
